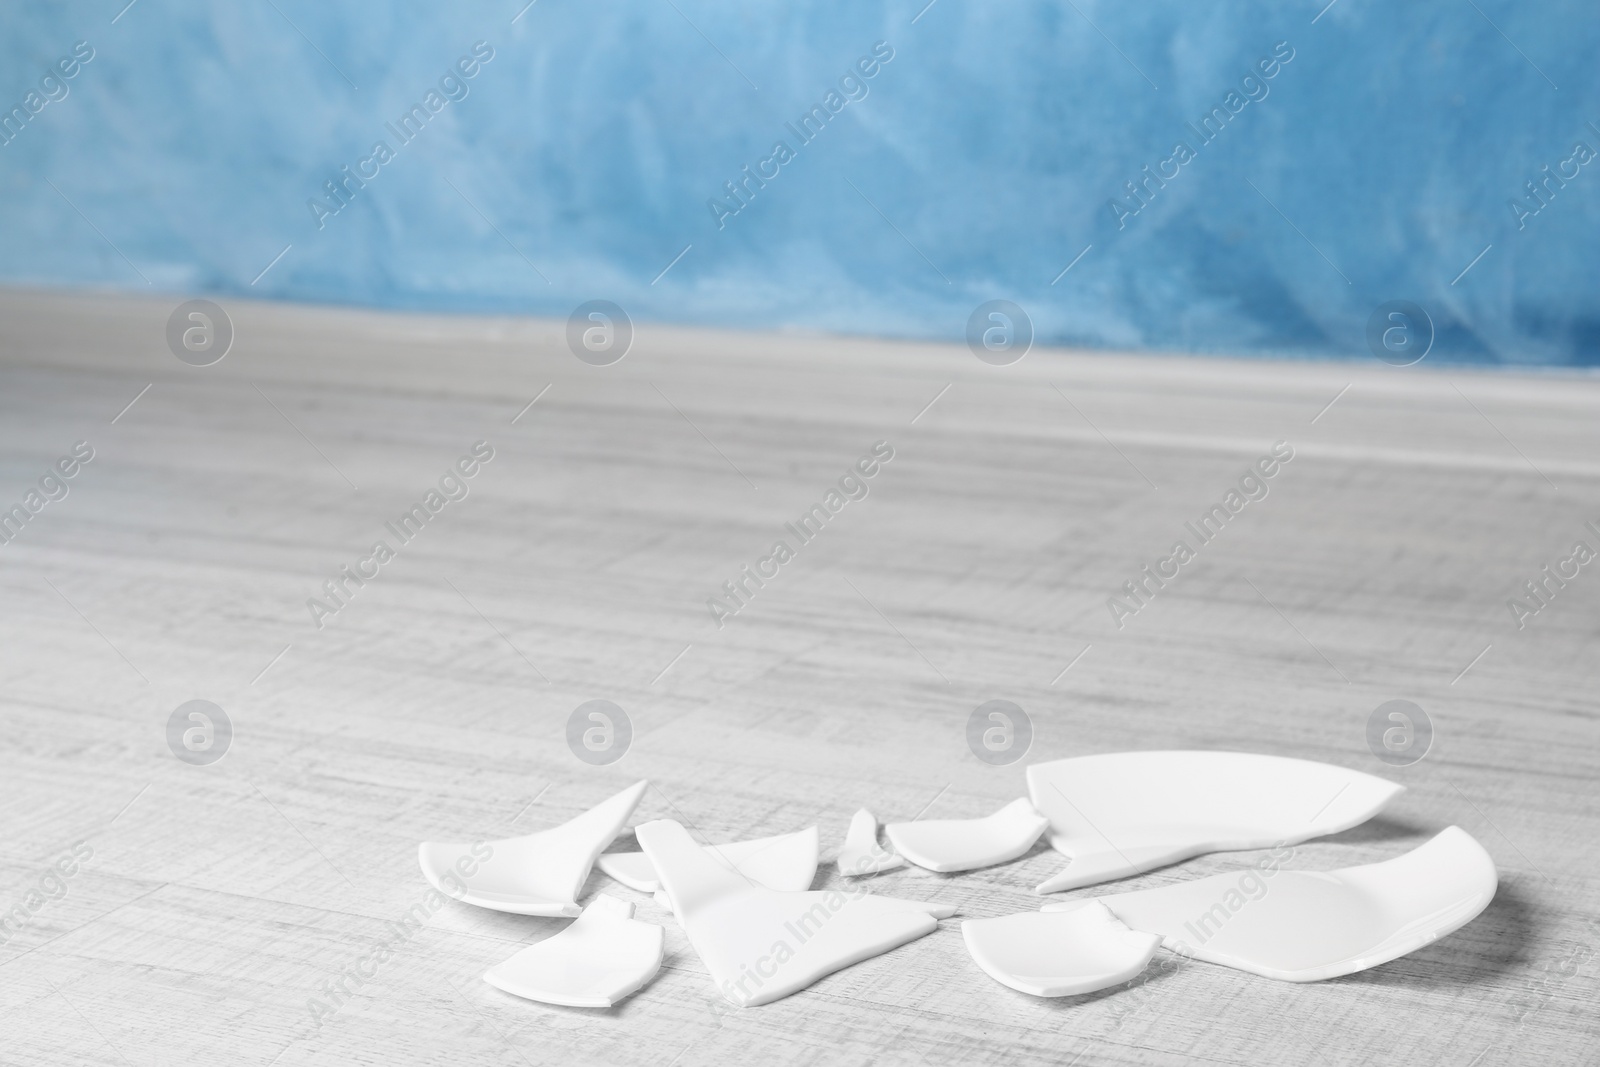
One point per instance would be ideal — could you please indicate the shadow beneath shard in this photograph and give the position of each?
(1380, 829)
(1491, 945)
(1039, 848)
(1128, 998)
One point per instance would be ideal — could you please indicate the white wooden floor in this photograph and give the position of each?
(218, 900)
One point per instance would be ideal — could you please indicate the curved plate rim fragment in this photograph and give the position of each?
(1104, 846)
(550, 866)
(1431, 891)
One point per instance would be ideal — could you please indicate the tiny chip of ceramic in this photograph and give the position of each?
(861, 854)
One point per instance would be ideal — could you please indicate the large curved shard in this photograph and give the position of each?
(1125, 813)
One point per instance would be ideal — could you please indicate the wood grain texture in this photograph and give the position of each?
(219, 899)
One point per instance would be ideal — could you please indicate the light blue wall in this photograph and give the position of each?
(1389, 147)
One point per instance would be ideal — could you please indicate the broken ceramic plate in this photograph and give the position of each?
(604, 956)
(537, 874)
(1058, 953)
(1126, 813)
(788, 862)
(763, 944)
(861, 854)
(1305, 926)
(946, 845)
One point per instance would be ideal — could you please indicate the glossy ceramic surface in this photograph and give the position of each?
(947, 845)
(787, 861)
(1058, 953)
(604, 955)
(1305, 926)
(536, 874)
(1126, 813)
(763, 944)
(861, 854)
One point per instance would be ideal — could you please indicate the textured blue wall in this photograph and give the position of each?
(984, 156)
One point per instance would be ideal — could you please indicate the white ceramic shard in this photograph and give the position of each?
(1305, 926)
(787, 861)
(1058, 953)
(1125, 813)
(861, 854)
(537, 874)
(947, 845)
(604, 956)
(763, 944)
